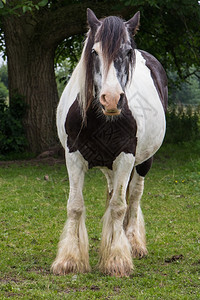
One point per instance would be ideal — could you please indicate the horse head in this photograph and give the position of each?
(109, 59)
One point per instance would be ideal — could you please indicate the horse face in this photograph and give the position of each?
(112, 56)
(108, 82)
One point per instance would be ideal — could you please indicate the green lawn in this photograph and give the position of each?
(33, 212)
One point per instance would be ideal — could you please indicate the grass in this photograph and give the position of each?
(33, 212)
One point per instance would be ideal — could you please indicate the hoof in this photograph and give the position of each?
(138, 248)
(69, 266)
(139, 252)
(117, 266)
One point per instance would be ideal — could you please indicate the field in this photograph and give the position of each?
(33, 212)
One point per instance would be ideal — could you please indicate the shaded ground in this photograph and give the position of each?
(35, 161)
(50, 157)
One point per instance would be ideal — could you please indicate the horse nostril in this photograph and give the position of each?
(120, 102)
(103, 99)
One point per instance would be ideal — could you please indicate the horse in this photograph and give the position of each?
(111, 115)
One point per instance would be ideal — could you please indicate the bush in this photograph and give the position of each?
(182, 124)
(12, 135)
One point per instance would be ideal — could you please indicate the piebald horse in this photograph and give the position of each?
(111, 115)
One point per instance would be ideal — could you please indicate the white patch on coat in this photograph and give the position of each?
(147, 109)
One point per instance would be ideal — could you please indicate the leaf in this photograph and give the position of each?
(1, 4)
(43, 3)
(24, 9)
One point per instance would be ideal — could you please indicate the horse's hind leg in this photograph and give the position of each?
(134, 222)
(72, 253)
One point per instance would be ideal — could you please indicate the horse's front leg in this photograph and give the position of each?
(115, 250)
(72, 253)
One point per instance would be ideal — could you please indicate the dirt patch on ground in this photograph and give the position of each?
(174, 258)
(35, 161)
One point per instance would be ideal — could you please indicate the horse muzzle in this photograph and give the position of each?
(111, 112)
(112, 104)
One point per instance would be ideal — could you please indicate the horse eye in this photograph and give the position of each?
(94, 52)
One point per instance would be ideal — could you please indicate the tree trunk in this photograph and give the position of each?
(31, 74)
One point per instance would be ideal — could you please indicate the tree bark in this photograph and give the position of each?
(31, 75)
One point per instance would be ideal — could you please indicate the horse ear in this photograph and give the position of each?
(93, 22)
(134, 23)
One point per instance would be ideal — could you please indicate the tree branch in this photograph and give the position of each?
(63, 22)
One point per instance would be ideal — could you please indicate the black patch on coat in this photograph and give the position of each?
(144, 167)
(158, 75)
(101, 140)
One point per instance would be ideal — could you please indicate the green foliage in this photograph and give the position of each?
(33, 213)
(70, 48)
(183, 124)
(2, 2)
(187, 92)
(12, 136)
(20, 7)
(3, 91)
(63, 73)
(169, 30)
(31, 5)
(3, 85)
(67, 56)
(4, 75)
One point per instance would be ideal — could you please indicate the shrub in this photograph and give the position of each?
(12, 135)
(182, 124)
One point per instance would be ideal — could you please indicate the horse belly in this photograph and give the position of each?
(150, 141)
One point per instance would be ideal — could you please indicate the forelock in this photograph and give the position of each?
(111, 34)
